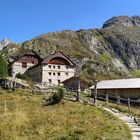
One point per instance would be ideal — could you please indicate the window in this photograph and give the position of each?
(66, 74)
(50, 73)
(58, 73)
(54, 67)
(50, 66)
(54, 74)
(58, 67)
(59, 82)
(24, 65)
(50, 80)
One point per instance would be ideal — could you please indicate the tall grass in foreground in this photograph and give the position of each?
(27, 119)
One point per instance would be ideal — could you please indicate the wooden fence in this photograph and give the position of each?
(118, 100)
(107, 98)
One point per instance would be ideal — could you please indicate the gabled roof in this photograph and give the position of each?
(57, 54)
(30, 52)
(73, 78)
(118, 84)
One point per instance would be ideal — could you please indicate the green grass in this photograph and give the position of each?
(27, 119)
(105, 58)
(135, 73)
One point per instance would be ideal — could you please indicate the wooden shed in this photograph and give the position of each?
(125, 88)
(72, 84)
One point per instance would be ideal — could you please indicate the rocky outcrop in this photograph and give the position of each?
(125, 21)
(4, 42)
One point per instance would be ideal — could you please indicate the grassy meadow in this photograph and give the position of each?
(26, 118)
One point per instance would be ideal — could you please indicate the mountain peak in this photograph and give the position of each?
(125, 21)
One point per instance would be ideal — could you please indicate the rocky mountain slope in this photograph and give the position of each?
(4, 42)
(110, 52)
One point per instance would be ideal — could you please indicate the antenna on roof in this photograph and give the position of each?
(56, 48)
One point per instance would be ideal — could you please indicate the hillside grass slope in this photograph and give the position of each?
(27, 118)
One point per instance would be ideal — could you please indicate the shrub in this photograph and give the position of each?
(22, 76)
(55, 98)
(58, 96)
(3, 67)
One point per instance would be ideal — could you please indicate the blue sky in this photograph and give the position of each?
(21, 20)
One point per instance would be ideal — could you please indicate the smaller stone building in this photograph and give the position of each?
(125, 88)
(22, 63)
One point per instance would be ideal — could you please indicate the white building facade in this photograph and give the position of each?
(53, 69)
(55, 73)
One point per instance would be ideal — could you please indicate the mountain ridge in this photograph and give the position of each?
(110, 52)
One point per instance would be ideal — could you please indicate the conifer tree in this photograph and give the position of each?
(3, 67)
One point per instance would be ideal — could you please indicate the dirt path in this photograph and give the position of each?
(129, 120)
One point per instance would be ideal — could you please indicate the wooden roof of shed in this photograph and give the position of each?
(119, 84)
(73, 78)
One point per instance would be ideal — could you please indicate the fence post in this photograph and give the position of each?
(95, 92)
(78, 89)
(106, 98)
(129, 103)
(118, 99)
(5, 106)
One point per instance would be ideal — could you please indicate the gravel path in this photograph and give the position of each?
(129, 120)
